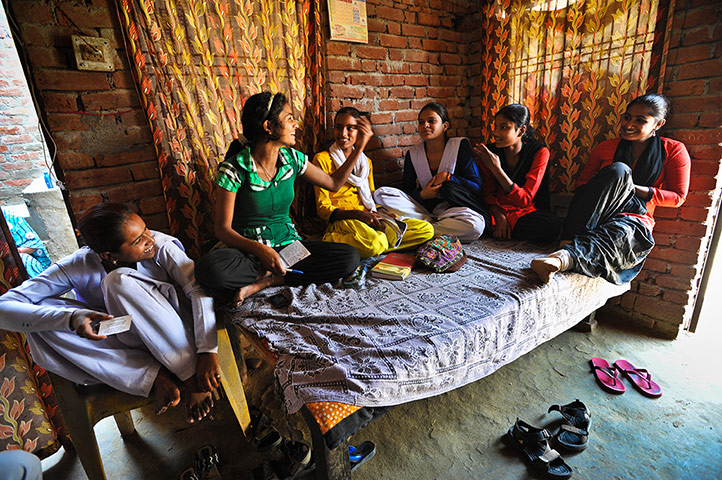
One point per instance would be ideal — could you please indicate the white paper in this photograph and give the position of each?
(114, 325)
(293, 253)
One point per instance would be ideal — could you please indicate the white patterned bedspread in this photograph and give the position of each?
(397, 341)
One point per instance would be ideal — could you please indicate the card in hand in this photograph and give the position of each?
(114, 325)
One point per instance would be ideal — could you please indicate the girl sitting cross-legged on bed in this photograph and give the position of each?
(351, 212)
(608, 230)
(253, 199)
(126, 269)
(441, 182)
(516, 179)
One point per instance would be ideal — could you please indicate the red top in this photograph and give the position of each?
(671, 187)
(520, 201)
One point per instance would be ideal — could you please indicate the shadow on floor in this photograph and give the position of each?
(458, 435)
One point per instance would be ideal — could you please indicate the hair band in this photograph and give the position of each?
(270, 102)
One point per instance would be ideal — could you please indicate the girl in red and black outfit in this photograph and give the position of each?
(515, 179)
(608, 231)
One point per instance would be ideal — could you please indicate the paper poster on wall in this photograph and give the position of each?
(348, 20)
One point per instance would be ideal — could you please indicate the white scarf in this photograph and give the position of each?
(421, 163)
(359, 175)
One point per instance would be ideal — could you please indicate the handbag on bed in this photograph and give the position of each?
(443, 253)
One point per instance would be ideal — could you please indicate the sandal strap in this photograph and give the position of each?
(572, 429)
(642, 373)
(549, 455)
(612, 372)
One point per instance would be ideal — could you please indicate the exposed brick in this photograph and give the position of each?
(60, 102)
(703, 69)
(697, 183)
(688, 243)
(393, 28)
(67, 80)
(342, 63)
(694, 214)
(416, 56)
(132, 191)
(712, 120)
(85, 16)
(75, 161)
(392, 41)
(152, 205)
(705, 152)
(434, 45)
(683, 271)
(673, 296)
(386, 13)
(144, 171)
(428, 19)
(69, 121)
(97, 177)
(685, 88)
(659, 309)
(376, 53)
(408, 30)
(124, 158)
(338, 48)
(695, 53)
(110, 100)
(700, 16)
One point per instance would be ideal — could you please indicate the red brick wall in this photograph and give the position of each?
(21, 144)
(104, 145)
(662, 297)
(415, 54)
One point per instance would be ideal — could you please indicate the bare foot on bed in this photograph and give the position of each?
(546, 267)
(244, 292)
(166, 391)
(198, 403)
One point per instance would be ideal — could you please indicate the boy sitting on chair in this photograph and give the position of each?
(351, 212)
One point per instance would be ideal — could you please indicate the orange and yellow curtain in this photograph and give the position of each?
(196, 62)
(576, 64)
(30, 419)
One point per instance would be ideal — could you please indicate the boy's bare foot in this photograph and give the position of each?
(166, 391)
(208, 372)
(198, 403)
(546, 267)
(244, 292)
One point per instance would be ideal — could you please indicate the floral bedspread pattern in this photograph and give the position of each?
(398, 341)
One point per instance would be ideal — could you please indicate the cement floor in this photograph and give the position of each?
(457, 435)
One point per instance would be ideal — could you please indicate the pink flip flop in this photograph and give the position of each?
(640, 377)
(607, 376)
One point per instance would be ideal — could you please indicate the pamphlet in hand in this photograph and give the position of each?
(395, 224)
(114, 325)
(293, 253)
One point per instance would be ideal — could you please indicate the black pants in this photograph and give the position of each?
(222, 272)
(541, 226)
(457, 195)
(605, 243)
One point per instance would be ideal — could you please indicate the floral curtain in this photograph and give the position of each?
(29, 416)
(195, 63)
(576, 64)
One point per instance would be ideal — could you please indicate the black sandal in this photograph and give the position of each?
(265, 436)
(533, 442)
(207, 462)
(574, 431)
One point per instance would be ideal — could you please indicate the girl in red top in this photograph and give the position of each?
(515, 179)
(608, 231)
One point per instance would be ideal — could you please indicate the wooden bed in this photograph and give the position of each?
(358, 352)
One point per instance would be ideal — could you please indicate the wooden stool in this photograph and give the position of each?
(82, 409)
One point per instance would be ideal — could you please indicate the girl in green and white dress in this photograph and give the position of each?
(253, 198)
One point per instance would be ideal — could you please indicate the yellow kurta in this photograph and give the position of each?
(367, 240)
